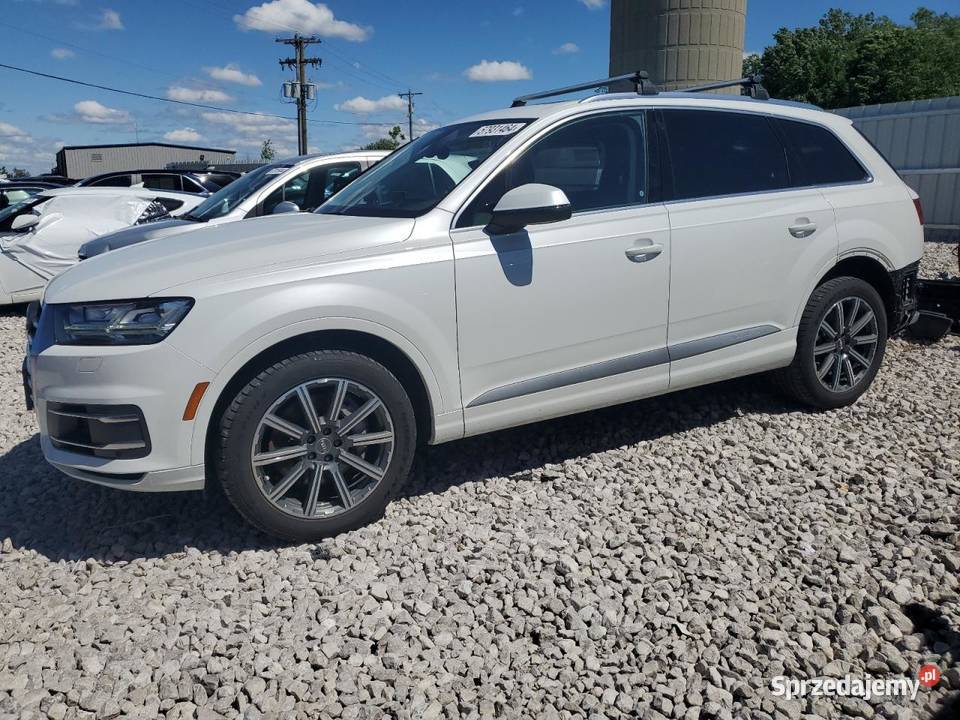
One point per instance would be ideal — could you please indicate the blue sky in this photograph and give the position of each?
(464, 56)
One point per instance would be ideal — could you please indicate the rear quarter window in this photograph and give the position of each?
(818, 157)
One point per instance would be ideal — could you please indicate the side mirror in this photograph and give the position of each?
(530, 204)
(285, 207)
(22, 223)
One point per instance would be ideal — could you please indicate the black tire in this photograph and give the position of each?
(239, 426)
(800, 379)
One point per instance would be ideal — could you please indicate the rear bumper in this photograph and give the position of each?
(905, 305)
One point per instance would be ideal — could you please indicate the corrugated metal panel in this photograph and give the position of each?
(86, 161)
(921, 139)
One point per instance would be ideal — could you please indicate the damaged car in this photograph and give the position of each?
(40, 234)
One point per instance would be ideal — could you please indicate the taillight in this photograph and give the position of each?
(919, 207)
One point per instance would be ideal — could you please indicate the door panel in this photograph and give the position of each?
(543, 311)
(736, 264)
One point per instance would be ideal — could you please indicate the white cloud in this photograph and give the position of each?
(62, 54)
(302, 16)
(594, 4)
(110, 20)
(13, 133)
(93, 112)
(233, 74)
(568, 48)
(497, 71)
(363, 106)
(250, 124)
(183, 135)
(177, 92)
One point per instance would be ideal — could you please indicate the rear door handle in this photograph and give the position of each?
(803, 228)
(643, 253)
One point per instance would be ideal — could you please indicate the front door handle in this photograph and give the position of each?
(643, 253)
(803, 228)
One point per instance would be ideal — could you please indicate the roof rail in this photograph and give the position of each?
(640, 80)
(750, 85)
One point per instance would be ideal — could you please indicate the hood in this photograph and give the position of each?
(133, 235)
(252, 246)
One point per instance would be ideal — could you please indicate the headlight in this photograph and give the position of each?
(120, 322)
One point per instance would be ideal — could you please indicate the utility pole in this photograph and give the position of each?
(409, 95)
(301, 90)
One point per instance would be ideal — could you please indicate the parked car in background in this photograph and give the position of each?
(172, 180)
(299, 184)
(12, 193)
(218, 178)
(41, 233)
(514, 266)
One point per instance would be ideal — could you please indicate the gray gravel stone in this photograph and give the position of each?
(664, 559)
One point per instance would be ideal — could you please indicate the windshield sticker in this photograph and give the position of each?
(495, 130)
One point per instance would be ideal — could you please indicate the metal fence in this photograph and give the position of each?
(921, 139)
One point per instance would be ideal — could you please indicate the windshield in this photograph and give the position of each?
(415, 178)
(226, 199)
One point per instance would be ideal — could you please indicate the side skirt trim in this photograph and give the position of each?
(618, 366)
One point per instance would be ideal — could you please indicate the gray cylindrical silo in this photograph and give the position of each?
(679, 42)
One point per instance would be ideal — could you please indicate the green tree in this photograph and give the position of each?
(267, 151)
(392, 142)
(851, 59)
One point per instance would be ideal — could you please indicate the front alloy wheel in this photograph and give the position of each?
(312, 445)
(322, 448)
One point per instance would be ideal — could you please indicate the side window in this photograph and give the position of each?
(114, 181)
(599, 162)
(162, 182)
(723, 153)
(293, 190)
(338, 177)
(310, 189)
(192, 186)
(818, 157)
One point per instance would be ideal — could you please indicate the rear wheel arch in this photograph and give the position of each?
(869, 269)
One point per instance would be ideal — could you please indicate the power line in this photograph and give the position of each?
(202, 106)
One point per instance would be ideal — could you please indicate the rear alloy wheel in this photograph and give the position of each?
(313, 444)
(840, 344)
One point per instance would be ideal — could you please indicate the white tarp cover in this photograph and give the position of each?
(66, 222)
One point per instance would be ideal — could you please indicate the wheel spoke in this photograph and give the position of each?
(356, 417)
(837, 373)
(287, 482)
(823, 348)
(376, 438)
(826, 327)
(822, 372)
(337, 404)
(843, 322)
(361, 465)
(346, 497)
(284, 426)
(275, 456)
(848, 366)
(864, 339)
(853, 313)
(306, 402)
(310, 505)
(858, 357)
(862, 322)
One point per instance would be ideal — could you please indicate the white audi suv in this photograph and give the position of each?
(518, 265)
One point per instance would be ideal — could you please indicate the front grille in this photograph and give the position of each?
(103, 431)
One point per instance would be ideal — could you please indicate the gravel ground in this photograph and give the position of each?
(665, 559)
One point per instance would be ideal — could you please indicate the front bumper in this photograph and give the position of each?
(151, 382)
